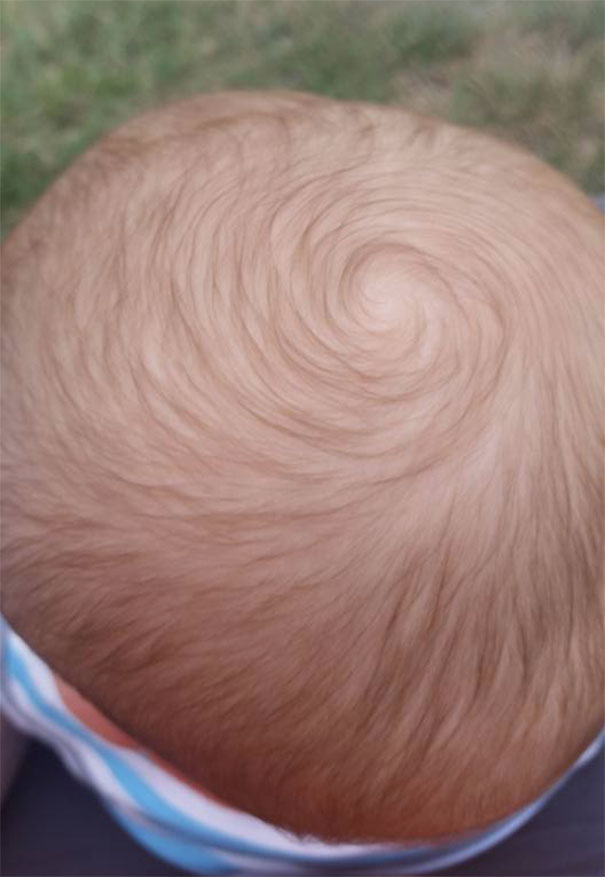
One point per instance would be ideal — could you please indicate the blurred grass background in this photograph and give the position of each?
(529, 70)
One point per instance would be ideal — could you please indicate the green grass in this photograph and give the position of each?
(72, 69)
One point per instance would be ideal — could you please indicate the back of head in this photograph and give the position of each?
(303, 457)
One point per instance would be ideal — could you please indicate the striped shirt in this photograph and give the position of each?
(183, 824)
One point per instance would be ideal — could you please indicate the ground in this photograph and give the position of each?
(528, 70)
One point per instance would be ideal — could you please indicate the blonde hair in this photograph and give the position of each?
(303, 457)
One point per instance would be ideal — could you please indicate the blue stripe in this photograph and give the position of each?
(155, 807)
(183, 853)
(182, 849)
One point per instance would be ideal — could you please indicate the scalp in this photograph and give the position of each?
(303, 450)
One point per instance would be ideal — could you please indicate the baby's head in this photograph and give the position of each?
(303, 458)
